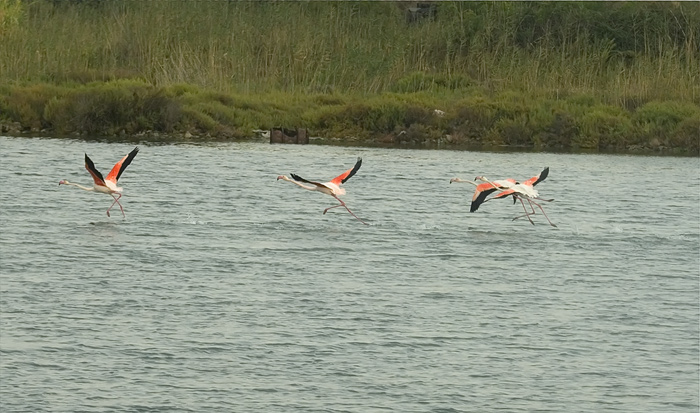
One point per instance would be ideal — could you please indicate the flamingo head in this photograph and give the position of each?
(480, 178)
(283, 177)
(62, 182)
(455, 180)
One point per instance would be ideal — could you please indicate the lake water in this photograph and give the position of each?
(226, 290)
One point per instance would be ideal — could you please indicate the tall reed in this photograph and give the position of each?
(623, 53)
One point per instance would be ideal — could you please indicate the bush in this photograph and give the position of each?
(511, 132)
(562, 132)
(656, 121)
(604, 127)
(687, 135)
(26, 105)
(472, 120)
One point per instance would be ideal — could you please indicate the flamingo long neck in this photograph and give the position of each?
(307, 187)
(84, 188)
(463, 181)
(493, 184)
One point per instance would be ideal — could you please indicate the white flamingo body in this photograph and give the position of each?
(106, 185)
(521, 189)
(108, 188)
(331, 187)
(328, 188)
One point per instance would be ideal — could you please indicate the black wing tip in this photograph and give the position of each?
(358, 163)
(480, 199)
(354, 170)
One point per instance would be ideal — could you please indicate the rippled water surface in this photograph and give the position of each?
(226, 290)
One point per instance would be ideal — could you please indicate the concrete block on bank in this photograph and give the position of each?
(284, 135)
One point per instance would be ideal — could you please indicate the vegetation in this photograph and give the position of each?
(588, 75)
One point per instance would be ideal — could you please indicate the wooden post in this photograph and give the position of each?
(302, 136)
(276, 135)
(284, 135)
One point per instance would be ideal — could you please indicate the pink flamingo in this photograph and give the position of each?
(520, 191)
(483, 190)
(106, 185)
(331, 188)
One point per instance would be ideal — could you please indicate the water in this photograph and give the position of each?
(226, 290)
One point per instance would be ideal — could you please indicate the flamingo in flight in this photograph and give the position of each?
(331, 188)
(485, 189)
(106, 185)
(522, 190)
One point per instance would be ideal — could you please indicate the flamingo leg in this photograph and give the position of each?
(331, 207)
(545, 215)
(116, 201)
(342, 204)
(533, 212)
(527, 214)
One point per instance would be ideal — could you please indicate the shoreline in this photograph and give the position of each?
(472, 118)
(185, 137)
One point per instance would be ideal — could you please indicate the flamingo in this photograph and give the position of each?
(331, 188)
(522, 190)
(485, 189)
(106, 185)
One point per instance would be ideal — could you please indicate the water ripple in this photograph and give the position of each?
(240, 295)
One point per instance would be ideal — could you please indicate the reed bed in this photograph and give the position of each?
(614, 55)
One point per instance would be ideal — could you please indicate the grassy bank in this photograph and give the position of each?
(545, 75)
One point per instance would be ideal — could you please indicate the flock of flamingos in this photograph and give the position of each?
(503, 188)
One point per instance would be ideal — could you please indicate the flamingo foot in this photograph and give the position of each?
(528, 218)
(334, 206)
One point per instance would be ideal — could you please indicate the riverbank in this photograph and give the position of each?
(543, 76)
(470, 118)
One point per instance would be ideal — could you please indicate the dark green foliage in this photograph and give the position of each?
(686, 136)
(594, 75)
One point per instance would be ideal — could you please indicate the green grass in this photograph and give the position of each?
(542, 74)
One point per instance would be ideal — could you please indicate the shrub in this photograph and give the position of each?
(511, 132)
(655, 121)
(687, 135)
(26, 105)
(472, 120)
(604, 127)
(561, 133)
(665, 115)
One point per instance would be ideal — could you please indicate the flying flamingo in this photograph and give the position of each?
(331, 188)
(106, 185)
(520, 191)
(485, 189)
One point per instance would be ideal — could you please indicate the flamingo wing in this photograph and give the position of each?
(480, 197)
(537, 179)
(482, 191)
(96, 175)
(505, 193)
(340, 179)
(120, 166)
(300, 179)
